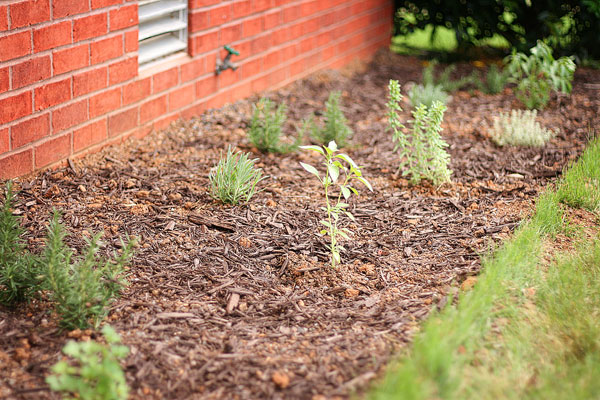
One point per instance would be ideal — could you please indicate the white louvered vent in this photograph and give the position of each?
(162, 30)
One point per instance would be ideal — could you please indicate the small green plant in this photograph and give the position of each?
(266, 128)
(335, 127)
(520, 128)
(444, 80)
(82, 289)
(427, 95)
(95, 373)
(537, 75)
(19, 269)
(422, 153)
(495, 80)
(234, 178)
(340, 171)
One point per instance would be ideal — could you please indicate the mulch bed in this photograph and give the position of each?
(241, 302)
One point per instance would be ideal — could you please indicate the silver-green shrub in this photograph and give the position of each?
(520, 128)
(234, 178)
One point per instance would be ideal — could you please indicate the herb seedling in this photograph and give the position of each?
(335, 127)
(82, 290)
(96, 373)
(234, 178)
(537, 75)
(340, 171)
(266, 128)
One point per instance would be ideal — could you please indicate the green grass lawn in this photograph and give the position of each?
(530, 328)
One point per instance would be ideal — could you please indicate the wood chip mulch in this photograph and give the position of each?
(240, 302)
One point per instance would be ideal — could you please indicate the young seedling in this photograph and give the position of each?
(266, 128)
(234, 178)
(340, 172)
(335, 127)
(95, 373)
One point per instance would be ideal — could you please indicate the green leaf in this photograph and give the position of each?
(334, 172)
(347, 158)
(326, 223)
(332, 146)
(344, 235)
(310, 169)
(318, 149)
(349, 215)
(365, 182)
(345, 192)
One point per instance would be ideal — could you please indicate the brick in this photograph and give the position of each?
(309, 8)
(131, 41)
(3, 18)
(182, 97)
(89, 81)
(241, 9)
(104, 3)
(205, 87)
(203, 43)
(90, 27)
(136, 91)
(202, 3)
(262, 5)
(4, 80)
(251, 68)
(4, 140)
(164, 122)
(68, 116)
(122, 122)
(15, 45)
(164, 80)
(253, 26)
(193, 69)
(15, 107)
(70, 59)
(231, 33)
(29, 12)
(16, 164)
(198, 21)
(272, 19)
(153, 109)
(122, 70)
(123, 17)
(52, 36)
(105, 102)
(30, 71)
(64, 8)
(292, 13)
(261, 43)
(107, 49)
(52, 94)
(219, 15)
(89, 135)
(29, 131)
(52, 150)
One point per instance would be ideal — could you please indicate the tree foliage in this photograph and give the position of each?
(570, 26)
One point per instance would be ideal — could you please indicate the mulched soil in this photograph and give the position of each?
(240, 302)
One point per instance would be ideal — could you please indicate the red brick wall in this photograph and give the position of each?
(69, 80)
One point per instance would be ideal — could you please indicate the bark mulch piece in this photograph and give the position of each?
(240, 302)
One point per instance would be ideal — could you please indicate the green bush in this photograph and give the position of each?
(95, 373)
(520, 128)
(427, 95)
(266, 128)
(234, 178)
(444, 79)
(422, 153)
(335, 127)
(538, 74)
(495, 80)
(19, 269)
(82, 289)
(571, 26)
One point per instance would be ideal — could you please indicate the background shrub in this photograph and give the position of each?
(570, 26)
(234, 178)
(520, 128)
(266, 128)
(335, 127)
